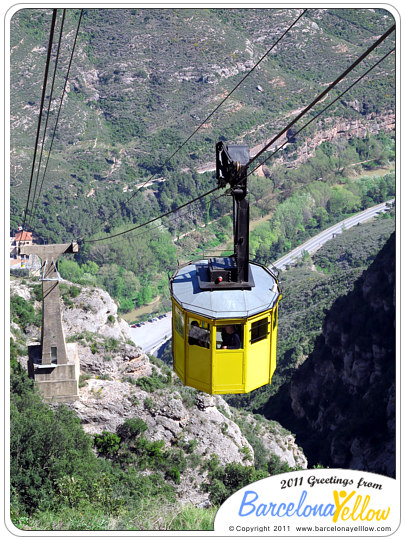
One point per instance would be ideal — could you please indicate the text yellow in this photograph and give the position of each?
(345, 511)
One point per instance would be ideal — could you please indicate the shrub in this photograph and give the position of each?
(155, 381)
(276, 466)
(23, 313)
(174, 474)
(225, 480)
(111, 344)
(74, 291)
(83, 379)
(107, 443)
(131, 428)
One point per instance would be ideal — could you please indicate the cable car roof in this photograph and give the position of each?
(225, 304)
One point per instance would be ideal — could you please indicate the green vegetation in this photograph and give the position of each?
(23, 313)
(314, 205)
(225, 480)
(155, 381)
(58, 483)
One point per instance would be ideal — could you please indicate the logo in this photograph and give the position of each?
(313, 501)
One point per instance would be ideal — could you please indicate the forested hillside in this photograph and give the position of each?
(143, 80)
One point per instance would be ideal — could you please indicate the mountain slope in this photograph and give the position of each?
(143, 79)
(341, 401)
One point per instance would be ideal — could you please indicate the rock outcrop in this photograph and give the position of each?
(341, 401)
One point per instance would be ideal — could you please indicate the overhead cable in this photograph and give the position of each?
(48, 60)
(180, 216)
(216, 108)
(82, 241)
(324, 109)
(59, 110)
(47, 115)
(325, 92)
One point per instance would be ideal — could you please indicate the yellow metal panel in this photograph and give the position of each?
(178, 347)
(258, 356)
(228, 371)
(199, 361)
(273, 346)
(229, 364)
(213, 358)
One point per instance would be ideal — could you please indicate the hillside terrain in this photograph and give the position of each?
(141, 82)
(139, 419)
(344, 393)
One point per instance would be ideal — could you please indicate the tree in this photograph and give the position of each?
(70, 270)
(45, 446)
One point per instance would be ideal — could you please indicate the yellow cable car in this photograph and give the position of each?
(224, 325)
(224, 341)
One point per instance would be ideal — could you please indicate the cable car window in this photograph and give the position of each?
(230, 336)
(179, 321)
(275, 317)
(259, 330)
(199, 334)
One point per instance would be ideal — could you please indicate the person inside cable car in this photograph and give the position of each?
(230, 338)
(198, 336)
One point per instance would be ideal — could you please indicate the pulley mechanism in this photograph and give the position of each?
(232, 272)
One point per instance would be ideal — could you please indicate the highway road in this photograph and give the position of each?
(153, 335)
(319, 240)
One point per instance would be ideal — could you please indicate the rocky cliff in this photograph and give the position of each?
(119, 382)
(341, 401)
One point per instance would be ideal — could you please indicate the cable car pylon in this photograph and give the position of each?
(224, 324)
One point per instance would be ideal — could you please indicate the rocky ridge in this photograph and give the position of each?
(344, 393)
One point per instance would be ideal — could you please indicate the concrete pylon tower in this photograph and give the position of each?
(61, 383)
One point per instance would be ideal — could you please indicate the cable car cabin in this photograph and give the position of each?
(224, 335)
(225, 309)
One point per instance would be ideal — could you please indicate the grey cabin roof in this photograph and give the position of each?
(225, 304)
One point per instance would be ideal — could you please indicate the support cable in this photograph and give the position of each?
(47, 116)
(180, 216)
(48, 60)
(59, 110)
(325, 92)
(324, 109)
(82, 241)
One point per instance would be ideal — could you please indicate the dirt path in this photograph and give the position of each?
(138, 312)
